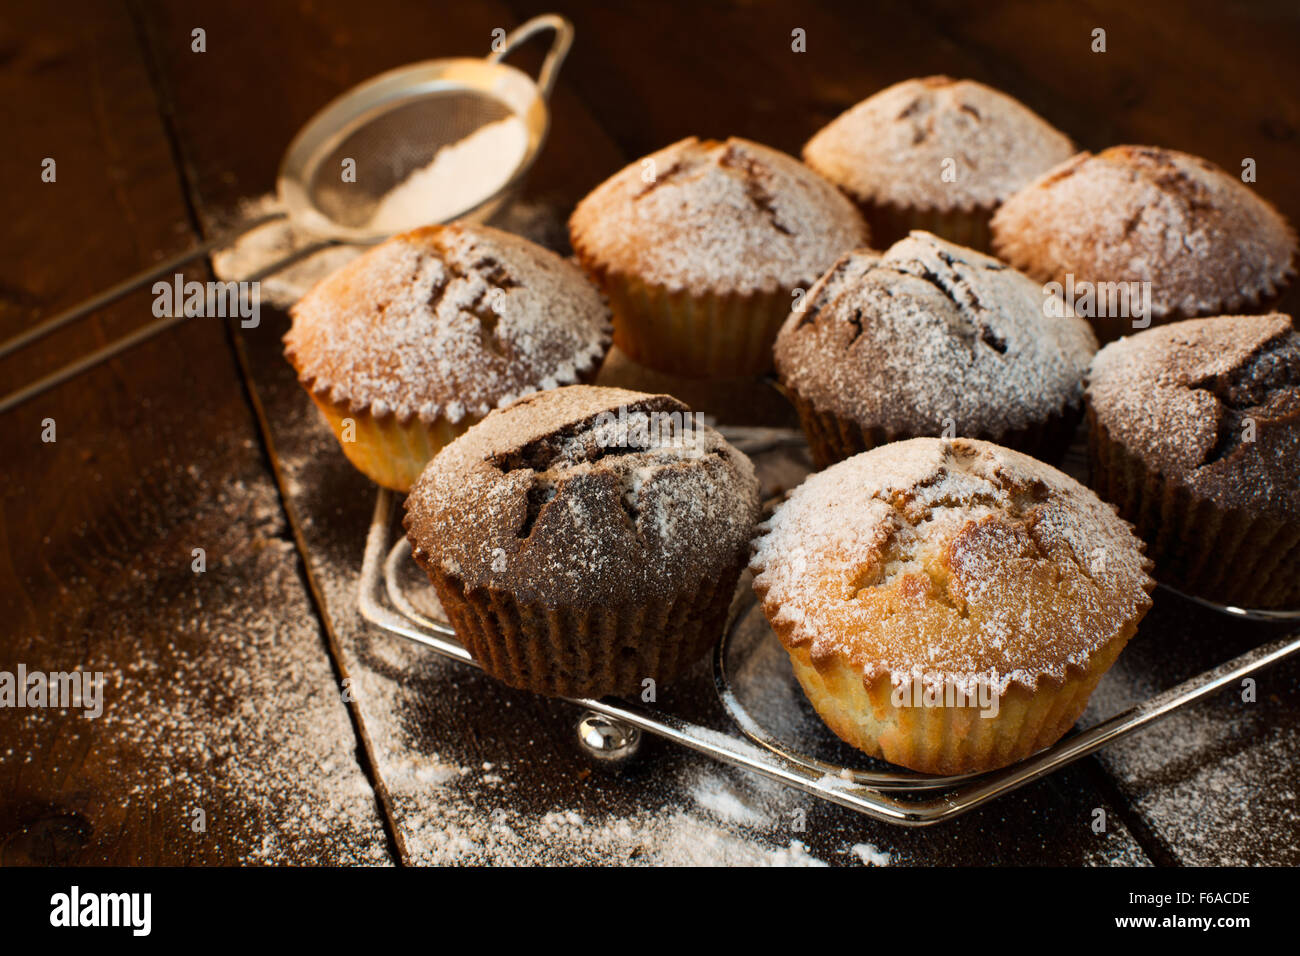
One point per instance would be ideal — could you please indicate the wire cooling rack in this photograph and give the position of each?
(394, 596)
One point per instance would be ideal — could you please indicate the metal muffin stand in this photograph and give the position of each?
(610, 728)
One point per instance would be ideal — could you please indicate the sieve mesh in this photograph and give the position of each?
(390, 143)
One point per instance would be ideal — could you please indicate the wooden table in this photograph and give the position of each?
(250, 714)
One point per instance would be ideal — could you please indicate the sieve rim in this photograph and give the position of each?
(340, 117)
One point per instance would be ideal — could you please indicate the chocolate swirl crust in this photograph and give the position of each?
(585, 539)
(1194, 435)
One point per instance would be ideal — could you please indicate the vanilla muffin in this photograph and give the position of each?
(1195, 436)
(407, 346)
(704, 246)
(949, 605)
(931, 339)
(935, 154)
(1201, 238)
(585, 540)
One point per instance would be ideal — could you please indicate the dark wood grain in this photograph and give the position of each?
(156, 454)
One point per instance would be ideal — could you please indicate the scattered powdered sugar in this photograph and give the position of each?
(460, 176)
(267, 244)
(928, 335)
(949, 560)
(716, 795)
(891, 147)
(870, 856)
(1203, 239)
(237, 713)
(652, 837)
(447, 322)
(712, 216)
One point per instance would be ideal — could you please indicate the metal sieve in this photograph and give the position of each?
(389, 127)
(397, 122)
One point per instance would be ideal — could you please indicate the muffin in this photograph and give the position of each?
(585, 540)
(931, 339)
(407, 346)
(890, 153)
(1101, 226)
(1195, 436)
(949, 606)
(702, 249)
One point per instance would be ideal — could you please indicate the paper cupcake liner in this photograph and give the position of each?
(949, 740)
(384, 449)
(1225, 555)
(833, 438)
(710, 335)
(577, 651)
(889, 223)
(392, 453)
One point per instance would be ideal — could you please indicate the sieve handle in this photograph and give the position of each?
(554, 57)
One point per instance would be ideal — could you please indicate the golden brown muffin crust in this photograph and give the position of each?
(709, 216)
(891, 147)
(447, 321)
(956, 560)
(1205, 241)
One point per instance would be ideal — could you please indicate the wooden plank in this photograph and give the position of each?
(474, 771)
(219, 694)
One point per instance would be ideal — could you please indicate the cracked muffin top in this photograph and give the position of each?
(891, 147)
(709, 216)
(930, 331)
(588, 496)
(957, 560)
(1213, 404)
(447, 321)
(1203, 239)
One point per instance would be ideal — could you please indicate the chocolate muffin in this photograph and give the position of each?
(949, 605)
(585, 540)
(1204, 242)
(408, 345)
(931, 339)
(1195, 436)
(702, 247)
(935, 154)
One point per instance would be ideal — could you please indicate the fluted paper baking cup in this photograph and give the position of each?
(833, 438)
(577, 651)
(711, 335)
(1224, 555)
(889, 224)
(949, 739)
(387, 451)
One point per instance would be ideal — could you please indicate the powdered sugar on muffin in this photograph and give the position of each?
(447, 322)
(928, 334)
(1212, 405)
(709, 216)
(1205, 241)
(954, 560)
(892, 147)
(585, 496)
